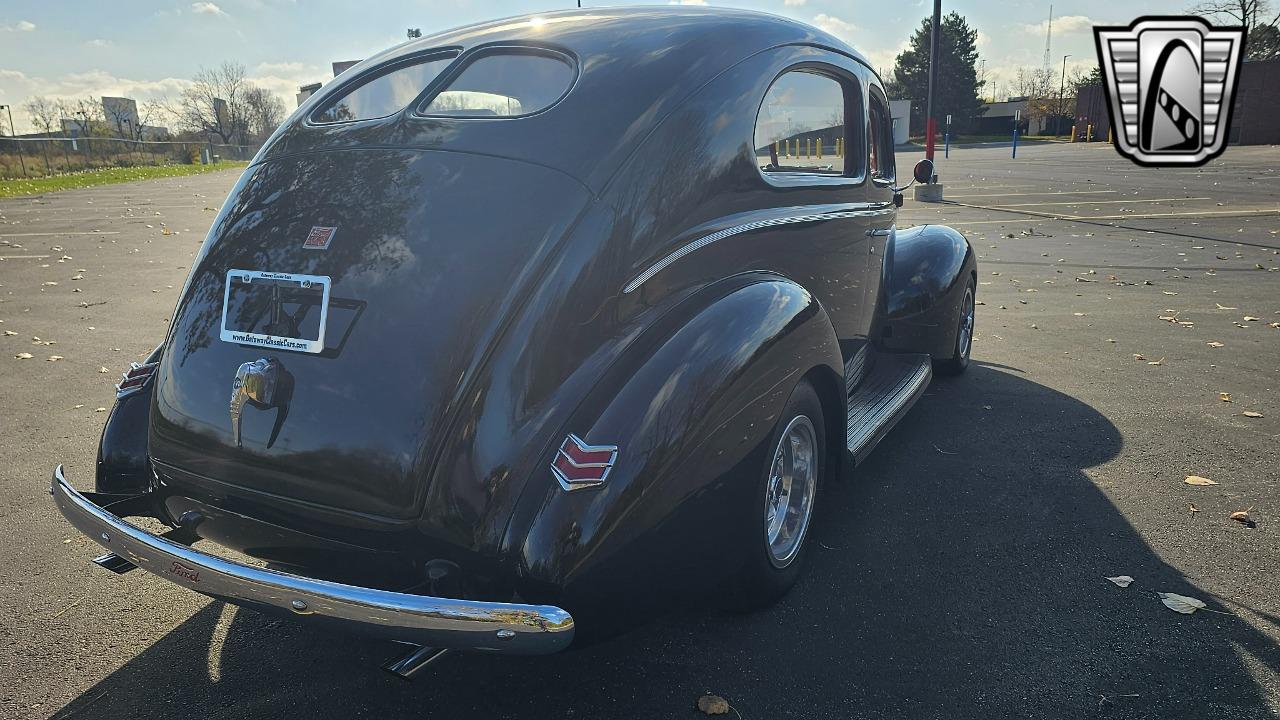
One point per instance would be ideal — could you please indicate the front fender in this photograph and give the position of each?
(689, 409)
(925, 271)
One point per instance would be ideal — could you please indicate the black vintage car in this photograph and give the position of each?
(530, 327)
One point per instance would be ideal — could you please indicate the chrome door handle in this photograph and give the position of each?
(879, 232)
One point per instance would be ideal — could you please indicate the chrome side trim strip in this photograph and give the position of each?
(432, 621)
(660, 265)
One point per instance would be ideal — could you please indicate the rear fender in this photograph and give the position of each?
(689, 408)
(925, 271)
(123, 466)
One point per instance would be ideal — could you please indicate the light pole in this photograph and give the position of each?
(929, 125)
(14, 133)
(1061, 91)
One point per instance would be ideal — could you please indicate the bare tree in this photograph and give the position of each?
(44, 113)
(1247, 13)
(152, 113)
(1257, 17)
(85, 113)
(265, 112)
(214, 104)
(46, 116)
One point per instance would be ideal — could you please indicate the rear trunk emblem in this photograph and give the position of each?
(264, 384)
(319, 238)
(579, 465)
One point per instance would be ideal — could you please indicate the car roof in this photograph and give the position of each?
(635, 64)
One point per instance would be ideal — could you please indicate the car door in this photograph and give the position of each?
(811, 147)
(881, 211)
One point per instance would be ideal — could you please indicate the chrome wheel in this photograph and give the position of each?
(789, 492)
(965, 338)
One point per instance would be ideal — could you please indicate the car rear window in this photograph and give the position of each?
(504, 84)
(384, 94)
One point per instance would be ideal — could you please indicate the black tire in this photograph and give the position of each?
(763, 580)
(963, 346)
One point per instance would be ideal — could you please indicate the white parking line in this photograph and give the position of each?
(1097, 202)
(1042, 217)
(55, 234)
(1055, 192)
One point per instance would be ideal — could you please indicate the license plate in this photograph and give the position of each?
(276, 310)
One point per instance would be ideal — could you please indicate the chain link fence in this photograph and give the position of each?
(39, 157)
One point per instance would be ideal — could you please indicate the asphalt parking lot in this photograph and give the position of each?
(960, 572)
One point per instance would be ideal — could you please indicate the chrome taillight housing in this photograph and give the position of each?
(135, 378)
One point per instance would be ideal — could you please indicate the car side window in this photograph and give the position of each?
(879, 140)
(384, 94)
(801, 127)
(504, 84)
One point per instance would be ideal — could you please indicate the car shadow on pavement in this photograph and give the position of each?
(959, 572)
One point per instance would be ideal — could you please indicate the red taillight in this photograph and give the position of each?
(135, 378)
(579, 465)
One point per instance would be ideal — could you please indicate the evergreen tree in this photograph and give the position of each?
(956, 92)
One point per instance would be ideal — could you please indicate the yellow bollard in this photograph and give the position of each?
(1108, 136)
(1073, 133)
(819, 148)
(808, 148)
(840, 147)
(1088, 133)
(777, 148)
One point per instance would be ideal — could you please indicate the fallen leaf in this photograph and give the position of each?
(1181, 603)
(1197, 480)
(1168, 292)
(1250, 318)
(1192, 508)
(1139, 356)
(103, 369)
(1252, 414)
(23, 356)
(1121, 580)
(1242, 517)
(1224, 307)
(1156, 362)
(1215, 344)
(713, 705)
(101, 409)
(55, 358)
(9, 333)
(1224, 397)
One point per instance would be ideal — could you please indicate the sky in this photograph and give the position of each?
(146, 49)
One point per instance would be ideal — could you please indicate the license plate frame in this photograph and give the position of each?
(276, 342)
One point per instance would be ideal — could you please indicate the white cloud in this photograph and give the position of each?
(99, 43)
(1067, 24)
(794, 3)
(835, 26)
(206, 8)
(21, 26)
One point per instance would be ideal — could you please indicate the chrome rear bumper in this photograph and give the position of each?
(430, 621)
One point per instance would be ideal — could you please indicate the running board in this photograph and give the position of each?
(883, 397)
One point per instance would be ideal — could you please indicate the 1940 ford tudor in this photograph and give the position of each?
(528, 327)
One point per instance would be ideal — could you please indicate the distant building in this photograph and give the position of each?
(998, 118)
(900, 111)
(342, 66)
(121, 115)
(307, 91)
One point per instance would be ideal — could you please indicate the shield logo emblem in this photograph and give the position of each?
(1170, 83)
